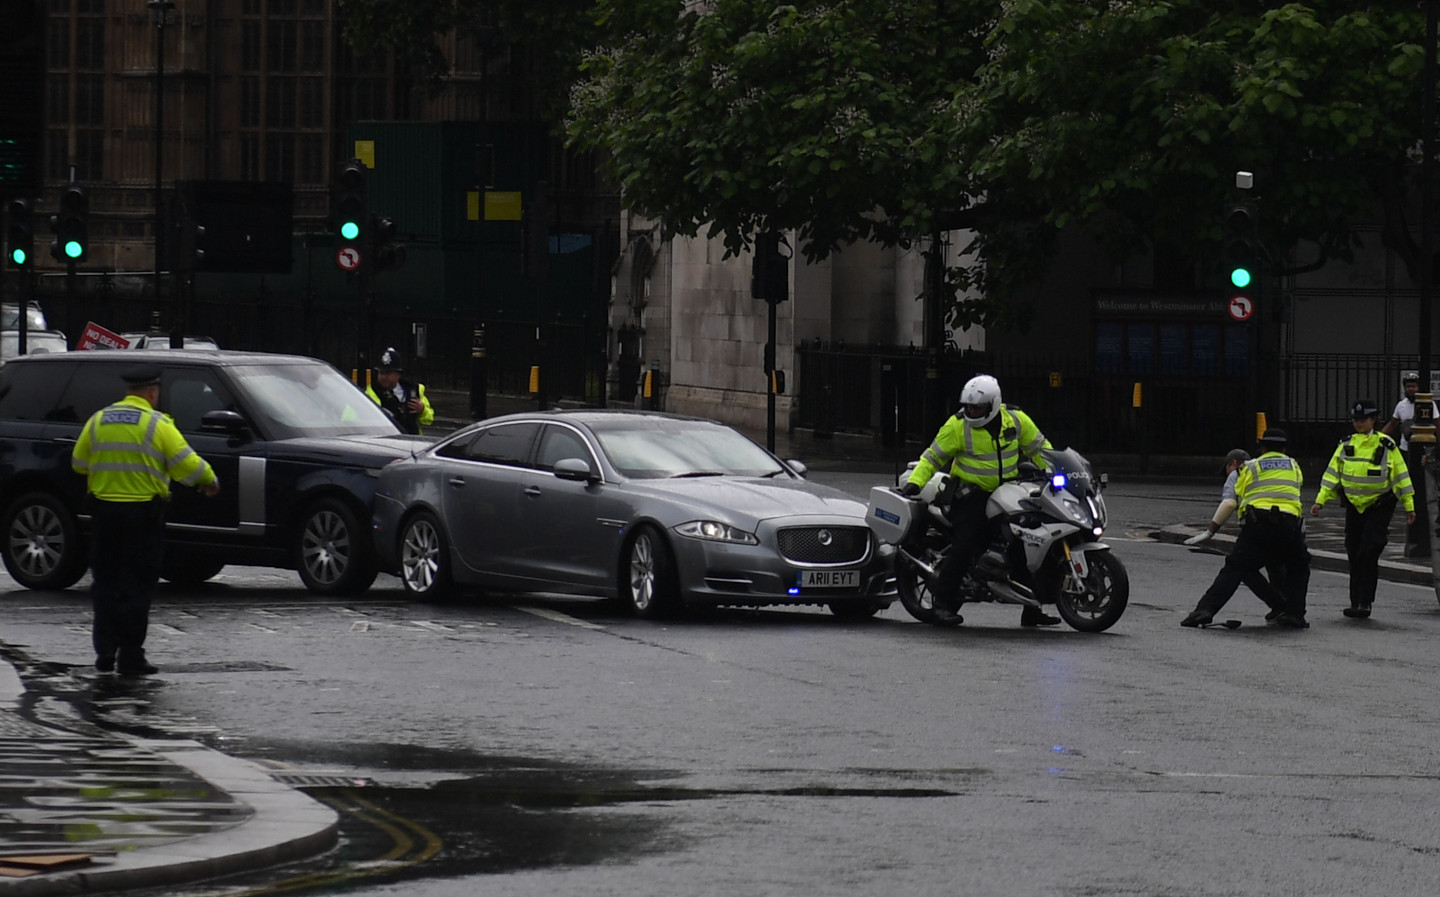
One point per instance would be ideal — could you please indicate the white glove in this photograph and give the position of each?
(1202, 537)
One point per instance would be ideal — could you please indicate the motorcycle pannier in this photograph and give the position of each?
(891, 515)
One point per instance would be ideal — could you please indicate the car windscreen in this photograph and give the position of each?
(651, 448)
(307, 399)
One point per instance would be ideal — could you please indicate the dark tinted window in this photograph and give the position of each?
(30, 391)
(559, 443)
(91, 388)
(504, 444)
(186, 394)
(459, 447)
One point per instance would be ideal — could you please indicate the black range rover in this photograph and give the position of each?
(296, 446)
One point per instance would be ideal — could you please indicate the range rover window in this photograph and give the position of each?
(92, 387)
(187, 394)
(30, 391)
(307, 399)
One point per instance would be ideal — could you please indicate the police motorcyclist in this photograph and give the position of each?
(403, 398)
(982, 445)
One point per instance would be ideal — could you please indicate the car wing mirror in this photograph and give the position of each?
(798, 466)
(224, 423)
(576, 469)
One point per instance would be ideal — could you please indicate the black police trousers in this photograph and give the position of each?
(1266, 536)
(127, 541)
(1366, 533)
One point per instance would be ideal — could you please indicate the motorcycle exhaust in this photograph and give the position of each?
(1010, 592)
(928, 572)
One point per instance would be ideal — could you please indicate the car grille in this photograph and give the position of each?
(807, 544)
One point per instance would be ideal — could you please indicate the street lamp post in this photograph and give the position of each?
(160, 13)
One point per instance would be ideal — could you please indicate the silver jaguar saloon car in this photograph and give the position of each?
(657, 510)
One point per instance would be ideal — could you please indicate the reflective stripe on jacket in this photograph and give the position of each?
(422, 418)
(973, 455)
(128, 451)
(1272, 480)
(1364, 467)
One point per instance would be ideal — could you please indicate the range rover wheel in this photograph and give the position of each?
(424, 558)
(43, 549)
(331, 552)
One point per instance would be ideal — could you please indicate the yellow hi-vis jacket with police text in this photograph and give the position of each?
(1364, 467)
(977, 458)
(1272, 480)
(128, 451)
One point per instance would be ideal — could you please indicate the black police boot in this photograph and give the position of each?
(105, 663)
(1357, 611)
(133, 663)
(1034, 616)
(1199, 618)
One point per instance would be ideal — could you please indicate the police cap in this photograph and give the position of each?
(1410, 377)
(1364, 408)
(1274, 437)
(1235, 455)
(390, 361)
(141, 376)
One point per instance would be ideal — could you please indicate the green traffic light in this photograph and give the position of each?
(1240, 277)
(17, 256)
(74, 249)
(350, 230)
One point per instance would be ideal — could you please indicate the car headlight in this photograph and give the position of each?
(715, 531)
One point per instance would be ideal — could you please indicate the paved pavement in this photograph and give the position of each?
(132, 812)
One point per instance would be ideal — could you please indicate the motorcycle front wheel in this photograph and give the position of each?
(1100, 599)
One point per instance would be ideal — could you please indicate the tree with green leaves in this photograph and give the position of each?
(880, 120)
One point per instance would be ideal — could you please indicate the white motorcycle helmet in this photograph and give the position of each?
(980, 400)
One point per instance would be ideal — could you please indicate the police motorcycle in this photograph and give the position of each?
(1045, 543)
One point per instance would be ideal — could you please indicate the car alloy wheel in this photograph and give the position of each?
(42, 543)
(331, 559)
(424, 558)
(649, 576)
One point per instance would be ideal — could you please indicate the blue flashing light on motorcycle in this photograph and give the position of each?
(1058, 481)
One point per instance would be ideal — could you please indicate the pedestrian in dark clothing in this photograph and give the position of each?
(129, 452)
(1271, 530)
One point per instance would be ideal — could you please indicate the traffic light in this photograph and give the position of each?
(385, 254)
(19, 234)
(348, 205)
(1242, 245)
(71, 226)
(770, 274)
(192, 246)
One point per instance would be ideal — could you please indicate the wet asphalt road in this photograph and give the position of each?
(549, 745)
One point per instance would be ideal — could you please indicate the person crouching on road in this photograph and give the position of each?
(1268, 492)
(1267, 590)
(129, 452)
(1369, 474)
(404, 399)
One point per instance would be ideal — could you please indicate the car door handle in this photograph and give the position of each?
(533, 491)
(457, 481)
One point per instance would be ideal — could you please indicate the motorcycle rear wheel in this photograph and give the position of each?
(1099, 606)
